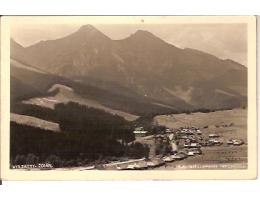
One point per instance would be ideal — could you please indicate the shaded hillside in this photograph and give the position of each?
(81, 136)
(29, 85)
(141, 65)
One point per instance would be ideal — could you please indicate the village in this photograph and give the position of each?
(171, 145)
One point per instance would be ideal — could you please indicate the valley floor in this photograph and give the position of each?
(227, 125)
(213, 157)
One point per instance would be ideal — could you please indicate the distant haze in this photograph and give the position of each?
(222, 40)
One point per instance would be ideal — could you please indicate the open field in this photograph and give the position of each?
(230, 124)
(215, 122)
(35, 122)
(66, 94)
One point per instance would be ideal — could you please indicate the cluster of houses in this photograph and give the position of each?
(184, 142)
(190, 140)
(170, 138)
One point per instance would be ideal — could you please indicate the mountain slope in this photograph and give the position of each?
(144, 64)
(30, 85)
(66, 94)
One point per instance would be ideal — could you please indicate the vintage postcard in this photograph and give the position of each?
(128, 97)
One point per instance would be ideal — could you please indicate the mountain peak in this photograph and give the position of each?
(143, 33)
(89, 31)
(87, 27)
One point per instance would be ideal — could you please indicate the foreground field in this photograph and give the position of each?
(230, 124)
(35, 122)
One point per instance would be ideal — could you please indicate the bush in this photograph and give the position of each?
(19, 160)
(138, 150)
(54, 160)
(31, 159)
(162, 148)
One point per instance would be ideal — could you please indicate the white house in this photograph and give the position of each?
(139, 131)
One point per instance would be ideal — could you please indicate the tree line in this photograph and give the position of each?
(87, 135)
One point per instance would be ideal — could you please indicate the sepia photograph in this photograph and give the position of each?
(131, 93)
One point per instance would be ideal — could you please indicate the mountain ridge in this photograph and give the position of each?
(143, 63)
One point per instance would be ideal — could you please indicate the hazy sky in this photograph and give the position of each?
(221, 40)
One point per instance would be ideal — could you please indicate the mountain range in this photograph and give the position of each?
(141, 71)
